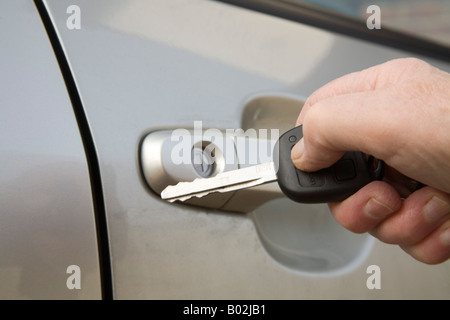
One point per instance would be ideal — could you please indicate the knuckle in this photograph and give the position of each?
(411, 63)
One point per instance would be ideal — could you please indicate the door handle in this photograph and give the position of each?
(173, 155)
(181, 154)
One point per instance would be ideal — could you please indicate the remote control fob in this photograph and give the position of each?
(335, 183)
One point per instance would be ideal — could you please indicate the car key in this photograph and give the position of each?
(335, 183)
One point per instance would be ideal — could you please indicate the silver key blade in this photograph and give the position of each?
(223, 182)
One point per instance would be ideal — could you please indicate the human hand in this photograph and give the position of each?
(398, 112)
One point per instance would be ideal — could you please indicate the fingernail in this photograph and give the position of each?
(297, 150)
(445, 237)
(436, 209)
(376, 210)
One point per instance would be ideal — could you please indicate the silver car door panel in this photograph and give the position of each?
(147, 66)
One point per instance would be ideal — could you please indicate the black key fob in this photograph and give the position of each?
(336, 183)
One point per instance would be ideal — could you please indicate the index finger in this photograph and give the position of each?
(369, 79)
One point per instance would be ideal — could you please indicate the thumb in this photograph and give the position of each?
(317, 157)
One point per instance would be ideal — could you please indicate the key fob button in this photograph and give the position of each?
(344, 170)
(310, 179)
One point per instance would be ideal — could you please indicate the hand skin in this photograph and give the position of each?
(398, 112)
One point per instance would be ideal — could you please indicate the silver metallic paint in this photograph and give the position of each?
(145, 65)
(46, 215)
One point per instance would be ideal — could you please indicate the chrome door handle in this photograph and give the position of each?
(171, 156)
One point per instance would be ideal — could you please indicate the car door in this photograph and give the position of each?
(141, 67)
(48, 234)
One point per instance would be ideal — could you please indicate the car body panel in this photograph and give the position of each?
(47, 220)
(146, 65)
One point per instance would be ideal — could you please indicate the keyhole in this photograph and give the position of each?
(202, 161)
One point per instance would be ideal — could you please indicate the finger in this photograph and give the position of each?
(422, 212)
(347, 84)
(357, 121)
(366, 208)
(433, 249)
(372, 78)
